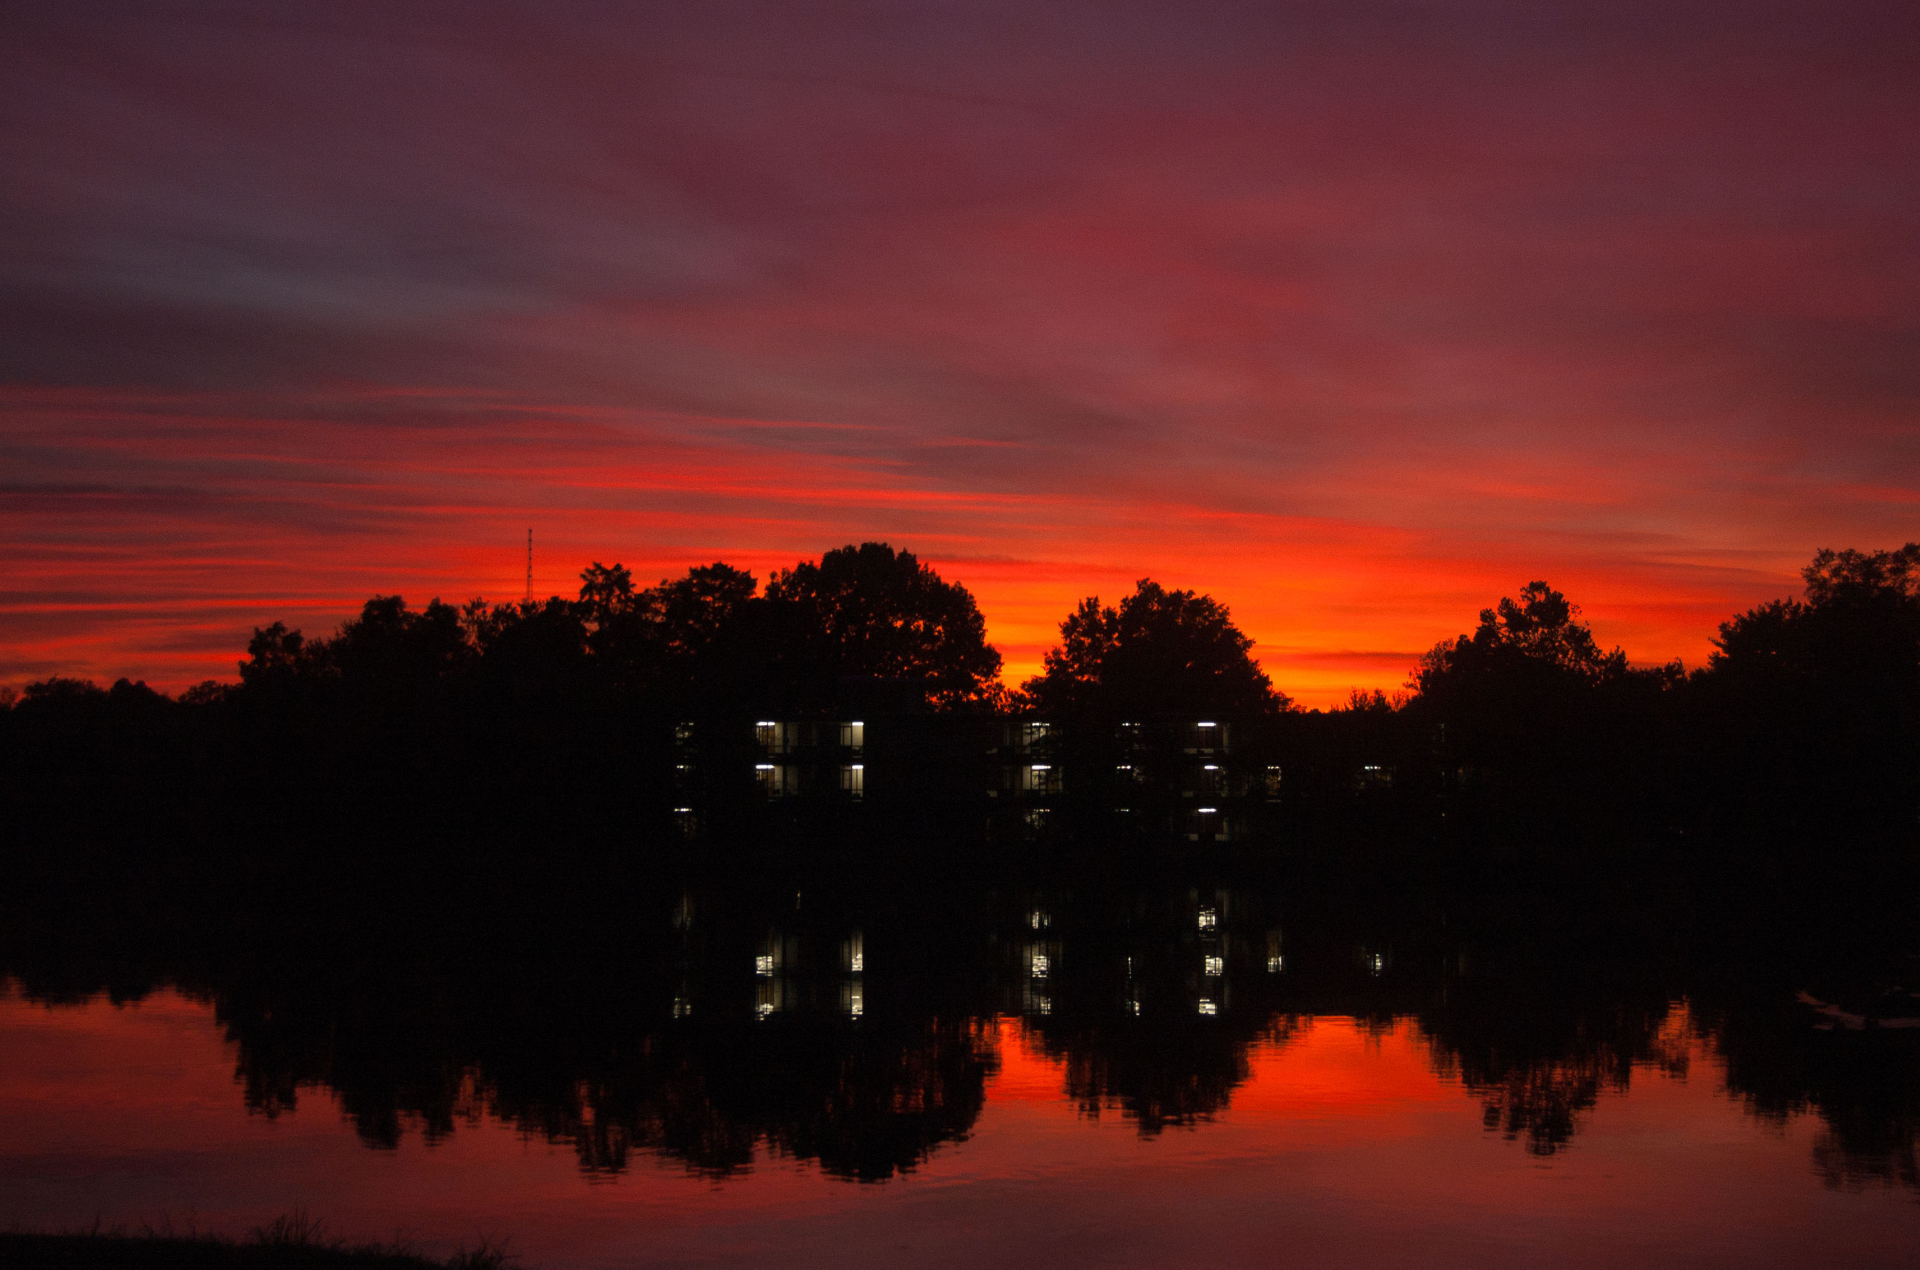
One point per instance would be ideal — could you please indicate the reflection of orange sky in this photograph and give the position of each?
(286, 522)
(1342, 1146)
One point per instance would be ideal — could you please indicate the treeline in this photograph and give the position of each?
(1807, 711)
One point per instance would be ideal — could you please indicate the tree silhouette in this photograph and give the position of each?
(880, 612)
(1156, 652)
(1535, 637)
(1531, 692)
(1817, 702)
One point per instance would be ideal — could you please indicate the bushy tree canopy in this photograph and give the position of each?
(1157, 651)
(1824, 693)
(1531, 691)
(1534, 638)
(701, 639)
(880, 612)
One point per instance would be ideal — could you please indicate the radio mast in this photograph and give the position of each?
(529, 598)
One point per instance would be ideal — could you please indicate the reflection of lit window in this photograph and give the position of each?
(855, 997)
(1274, 964)
(1208, 919)
(1216, 965)
(1041, 966)
(763, 964)
(1208, 1007)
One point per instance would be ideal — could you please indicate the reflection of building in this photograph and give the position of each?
(1375, 776)
(1211, 996)
(853, 967)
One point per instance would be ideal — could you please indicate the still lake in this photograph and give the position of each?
(1000, 1074)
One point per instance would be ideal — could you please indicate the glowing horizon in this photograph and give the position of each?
(1355, 319)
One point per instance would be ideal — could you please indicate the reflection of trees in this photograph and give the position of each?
(622, 1026)
(1155, 1002)
(1538, 1053)
(1543, 1097)
(865, 1098)
(1864, 1086)
(864, 1102)
(1158, 1072)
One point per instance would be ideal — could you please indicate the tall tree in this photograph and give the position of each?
(876, 611)
(1530, 690)
(1823, 694)
(1534, 641)
(1157, 651)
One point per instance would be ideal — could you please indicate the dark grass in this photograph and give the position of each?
(293, 1242)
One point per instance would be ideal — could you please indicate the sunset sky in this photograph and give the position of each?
(1354, 316)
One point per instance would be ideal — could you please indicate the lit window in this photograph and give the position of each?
(1208, 1007)
(1216, 965)
(857, 963)
(1208, 919)
(1040, 965)
(763, 964)
(1274, 964)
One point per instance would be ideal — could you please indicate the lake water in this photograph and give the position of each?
(1183, 1076)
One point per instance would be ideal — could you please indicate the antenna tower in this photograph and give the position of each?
(529, 598)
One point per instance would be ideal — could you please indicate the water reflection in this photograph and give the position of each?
(853, 1022)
